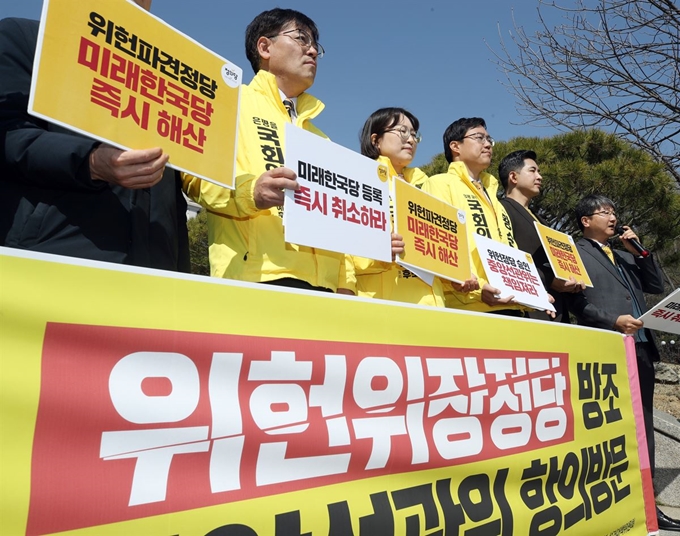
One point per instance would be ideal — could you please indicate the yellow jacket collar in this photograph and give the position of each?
(408, 173)
(460, 170)
(308, 106)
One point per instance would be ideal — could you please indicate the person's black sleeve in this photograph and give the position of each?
(34, 151)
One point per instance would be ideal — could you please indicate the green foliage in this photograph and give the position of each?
(198, 244)
(579, 163)
(437, 165)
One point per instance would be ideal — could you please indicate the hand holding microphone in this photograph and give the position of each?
(632, 239)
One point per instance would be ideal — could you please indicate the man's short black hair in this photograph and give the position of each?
(513, 162)
(270, 23)
(591, 204)
(380, 122)
(456, 132)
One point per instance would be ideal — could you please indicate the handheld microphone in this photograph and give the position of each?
(638, 247)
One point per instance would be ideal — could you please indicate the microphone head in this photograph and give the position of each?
(619, 229)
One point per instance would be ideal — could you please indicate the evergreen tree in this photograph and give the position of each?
(579, 163)
(198, 244)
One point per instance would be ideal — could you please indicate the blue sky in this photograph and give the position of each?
(429, 56)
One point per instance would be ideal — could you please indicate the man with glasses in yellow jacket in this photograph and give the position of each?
(245, 227)
(468, 148)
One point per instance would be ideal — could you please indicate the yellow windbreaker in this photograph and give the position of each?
(388, 280)
(246, 243)
(483, 217)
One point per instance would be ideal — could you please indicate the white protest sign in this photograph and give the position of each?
(665, 315)
(343, 200)
(513, 272)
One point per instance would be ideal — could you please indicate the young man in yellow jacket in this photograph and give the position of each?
(466, 185)
(245, 226)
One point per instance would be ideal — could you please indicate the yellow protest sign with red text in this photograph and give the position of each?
(433, 232)
(114, 72)
(564, 258)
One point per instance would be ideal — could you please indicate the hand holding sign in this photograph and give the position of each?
(270, 188)
(570, 285)
(627, 324)
(133, 169)
(397, 245)
(512, 272)
(129, 169)
(492, 296)
(469, 285)
(665, 315)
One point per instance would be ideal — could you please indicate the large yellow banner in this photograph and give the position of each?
(114, 72)
(142, 402)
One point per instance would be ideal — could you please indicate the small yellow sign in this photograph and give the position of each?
(114, 72)
(434, 233)
(562, 253)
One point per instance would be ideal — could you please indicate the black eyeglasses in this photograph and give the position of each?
(303, 39)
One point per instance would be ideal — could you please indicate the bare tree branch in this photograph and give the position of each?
(612, 64)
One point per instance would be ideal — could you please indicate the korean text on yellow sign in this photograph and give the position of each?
(433, 232)
(114, 72)
(125, 411)
(562, 253)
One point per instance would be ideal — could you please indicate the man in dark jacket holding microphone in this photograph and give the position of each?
(616, 299)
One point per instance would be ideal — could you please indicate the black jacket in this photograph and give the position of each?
(49, 203)
(614, 290)
(527, 239)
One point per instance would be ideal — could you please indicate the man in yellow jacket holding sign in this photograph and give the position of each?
(245, 226)
(466, 185)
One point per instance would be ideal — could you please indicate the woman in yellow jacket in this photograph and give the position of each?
(390, 135)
